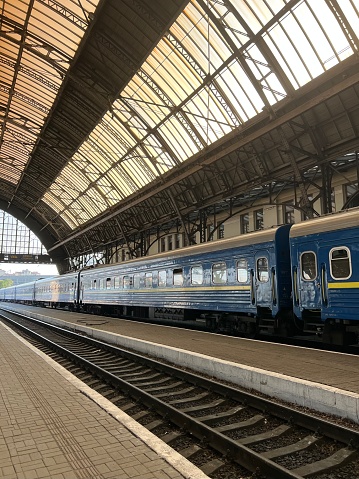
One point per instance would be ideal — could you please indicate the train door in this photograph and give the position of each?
(310, 278)
(263, 280)
(81, 289)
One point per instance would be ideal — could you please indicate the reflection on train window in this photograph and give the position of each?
(219, 273)
(117, 283)
(242, 271)
(108, 283)
(340, 263)
(148, 280)
(262, 270)
(127, 282)
(197, 275)
(136, 281)
(178, 277)
(308, 265)
(162, 275)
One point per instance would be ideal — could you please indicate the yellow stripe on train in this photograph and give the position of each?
(348, 284)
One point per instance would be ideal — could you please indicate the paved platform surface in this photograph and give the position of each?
(319, 380)
(52, 427)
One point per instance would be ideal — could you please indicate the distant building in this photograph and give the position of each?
(21, 277)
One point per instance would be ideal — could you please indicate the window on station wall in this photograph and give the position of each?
(178, 240)
(288, 213)
(332, 198)
(210, 235)
(258, 219)
(244, 223)
(349, 190)
(123, 255)
(221, 231)
(163, 244)
(303, 216)
(170, 242)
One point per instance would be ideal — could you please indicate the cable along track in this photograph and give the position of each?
(231, 427)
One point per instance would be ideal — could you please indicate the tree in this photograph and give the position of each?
(4, 283)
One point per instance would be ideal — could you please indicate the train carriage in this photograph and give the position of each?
(238, 284)
(59, 291)
(325, 271)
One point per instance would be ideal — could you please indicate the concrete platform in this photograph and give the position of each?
(319, 380)
(54, 426)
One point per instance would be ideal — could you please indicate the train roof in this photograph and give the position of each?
(247, 239)
(336, 221)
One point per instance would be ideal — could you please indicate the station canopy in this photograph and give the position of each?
(101, 100)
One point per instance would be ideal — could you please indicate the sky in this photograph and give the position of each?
(48, 269)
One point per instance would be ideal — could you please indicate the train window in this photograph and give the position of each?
(197, 275)
(262, 270)
(94, 284)
(340, 263)
(148, 280)
(178, 277)
(219, 273)
(108, 283)
(308, 265)
(116, 282)
(162, 277)
(242, 271)
(127, 282)
(136, 281)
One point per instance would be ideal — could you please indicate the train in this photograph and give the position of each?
(286, 280)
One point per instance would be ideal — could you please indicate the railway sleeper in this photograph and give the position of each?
(171, 386)
(273, 433)
(338, 459)
(196, 398)
(213, 418)
(304, 444)
(253, 421)
(203, 407)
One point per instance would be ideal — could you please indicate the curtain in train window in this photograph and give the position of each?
(136, 281)
(178, 277)
(162, 277)
(127, 282)
(242, 271)
(219, 273)
(148, 280)
(197, 275)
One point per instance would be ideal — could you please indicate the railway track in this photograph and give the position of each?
(224, 431)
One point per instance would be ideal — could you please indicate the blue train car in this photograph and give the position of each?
(238, 284)
(325, 271)
(59, 291)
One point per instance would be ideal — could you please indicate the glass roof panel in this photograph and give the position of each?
(38, 42)
(208, 74)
